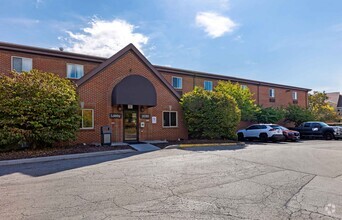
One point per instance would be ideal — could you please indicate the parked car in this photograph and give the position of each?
(290, 135)
(263, 132)
(319, 129)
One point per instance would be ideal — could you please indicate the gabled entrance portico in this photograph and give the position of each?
(133, 93)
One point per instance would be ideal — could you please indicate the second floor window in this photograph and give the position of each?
(177, 82)
(294, 96)
(272, 93)
(208, 85)
(74, 71)
(243, 87)
(21, 64)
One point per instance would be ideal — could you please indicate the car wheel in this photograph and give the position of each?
(328, 136)
(263, 137)
(241, 137)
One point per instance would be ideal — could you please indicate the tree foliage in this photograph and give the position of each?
(242, 96)
(269, 115)
(37, 108)
(210, 115)
(298, 115)
(321, 110)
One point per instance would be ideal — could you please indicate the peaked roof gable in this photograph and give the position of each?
(129, 47)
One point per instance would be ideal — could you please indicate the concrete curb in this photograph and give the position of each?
(64, 157)
(180, 146)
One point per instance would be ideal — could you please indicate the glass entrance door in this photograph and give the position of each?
(130, 125)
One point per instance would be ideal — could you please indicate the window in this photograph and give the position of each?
(170, 119)
(262, 127)
(87, 119)
(177, 82)
(272, 93)
(253, 127)
(244, 87)
(74, 71)
(21, 64)
(307, 125)
(208, 85)
(294, 96)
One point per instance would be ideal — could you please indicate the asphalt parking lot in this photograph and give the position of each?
(259, 181)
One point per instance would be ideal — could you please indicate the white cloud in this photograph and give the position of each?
(104, 38)
(214, 24)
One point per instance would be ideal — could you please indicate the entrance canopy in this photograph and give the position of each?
(134, 90)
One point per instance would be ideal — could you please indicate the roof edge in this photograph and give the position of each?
(49, 52)
(223, 77)
(116, 56)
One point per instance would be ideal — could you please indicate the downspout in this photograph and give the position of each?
(194, 81)
(258, 96)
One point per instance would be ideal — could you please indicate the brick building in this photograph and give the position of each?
(138, 100)
(335, 100)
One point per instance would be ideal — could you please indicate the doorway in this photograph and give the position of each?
(130, 125)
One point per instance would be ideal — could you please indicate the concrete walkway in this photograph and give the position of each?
(64, 157)
(144, 147)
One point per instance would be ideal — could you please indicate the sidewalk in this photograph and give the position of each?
(64, 157)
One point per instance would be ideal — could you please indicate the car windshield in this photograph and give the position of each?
(279, 127)
(323, 124)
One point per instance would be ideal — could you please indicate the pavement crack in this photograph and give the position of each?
(287, 202)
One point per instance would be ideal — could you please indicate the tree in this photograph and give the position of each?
(37, 108)
(269, 115)
(242, 96)
(212, 115)
(298, 115)
(321, 110)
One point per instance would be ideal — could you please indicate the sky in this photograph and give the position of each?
(289, 42)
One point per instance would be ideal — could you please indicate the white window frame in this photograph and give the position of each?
(243, 86)
(294, 96)
(211, 82)
(26, 58)
(181, 82)
(271, 94)
(92, 121)
(170, 119)
(67, 74)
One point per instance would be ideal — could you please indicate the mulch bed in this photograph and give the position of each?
(54, 151)
(193, 141)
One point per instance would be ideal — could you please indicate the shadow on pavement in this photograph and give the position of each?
(51, 167)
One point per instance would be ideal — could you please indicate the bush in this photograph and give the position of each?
(298, 115)
(269, 115)
(212, 115)
(37, 108)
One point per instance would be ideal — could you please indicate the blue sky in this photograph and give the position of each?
(282, 41)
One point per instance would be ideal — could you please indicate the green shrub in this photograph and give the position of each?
(37, 108)
(212, 115)
(298, 115)
(269, 115)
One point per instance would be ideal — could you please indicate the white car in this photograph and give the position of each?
(264, 132)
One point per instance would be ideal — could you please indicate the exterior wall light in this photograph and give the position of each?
(142, 109)
(119, 108)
